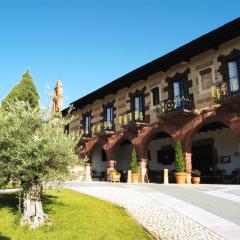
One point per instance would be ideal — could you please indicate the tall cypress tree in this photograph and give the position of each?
(24, 91)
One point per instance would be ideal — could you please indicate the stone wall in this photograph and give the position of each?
(121, 99)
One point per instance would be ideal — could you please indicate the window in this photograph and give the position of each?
(66, 129)
(234, 72)
(155, 96)
(179, 88)
(166, 156)
(87, 125)
(138, 107)
(205, 79)
(109, 117)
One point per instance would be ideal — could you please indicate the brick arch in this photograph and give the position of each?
(91, 145)
(202, 121)
(116, 140)
(147, 134)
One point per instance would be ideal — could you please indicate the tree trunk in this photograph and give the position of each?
(33, 213)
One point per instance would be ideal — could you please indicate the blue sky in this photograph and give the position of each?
(89, 43)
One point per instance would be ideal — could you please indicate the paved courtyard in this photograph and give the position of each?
(175, 212)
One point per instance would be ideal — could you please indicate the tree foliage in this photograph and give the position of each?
(179, 162)
(33, 148)
(134, 163)
(25, 91)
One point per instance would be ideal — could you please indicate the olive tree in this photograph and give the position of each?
(33, 150)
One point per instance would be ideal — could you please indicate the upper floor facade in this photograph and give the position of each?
(192, 78)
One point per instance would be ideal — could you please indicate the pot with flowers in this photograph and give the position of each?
(196, 176)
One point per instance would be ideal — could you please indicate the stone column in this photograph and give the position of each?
(111, 165)
(188, 163)
(87, 175)
(142, 159)
(165, 176)
(142, 165)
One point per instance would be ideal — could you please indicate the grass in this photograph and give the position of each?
(10, 185)
(74, 215)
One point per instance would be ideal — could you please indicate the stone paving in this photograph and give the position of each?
(162, 221)
(8, 190)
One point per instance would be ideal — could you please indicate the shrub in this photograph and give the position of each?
(179, 162)
(134, 163)
(196, 173)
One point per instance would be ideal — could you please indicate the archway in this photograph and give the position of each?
(123, 158)
(161, 155)
(215, 152)
(98, 163)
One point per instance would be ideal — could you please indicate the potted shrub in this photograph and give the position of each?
(134, 167)
(236, 175)
(180, 173)
(196, 176)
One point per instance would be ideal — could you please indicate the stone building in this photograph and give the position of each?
(191, 94)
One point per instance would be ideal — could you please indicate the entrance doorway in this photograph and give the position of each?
(123, 157)
(202, 159)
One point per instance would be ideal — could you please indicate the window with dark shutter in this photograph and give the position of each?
(234, 73)
(138, 107)
(166, 156)
(155, 96)
(87, 124)
(108, 118)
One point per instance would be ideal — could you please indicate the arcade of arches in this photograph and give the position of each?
(210, 142)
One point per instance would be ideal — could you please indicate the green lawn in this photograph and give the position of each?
(74, 215)
(10, 185)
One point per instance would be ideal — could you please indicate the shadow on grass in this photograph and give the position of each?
(49, 201)
(10, 201)
(4, 238)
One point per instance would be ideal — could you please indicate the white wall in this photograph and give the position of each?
(97, 163)
(224, 141)
(154, 146)
(226, 144)
(123, 157)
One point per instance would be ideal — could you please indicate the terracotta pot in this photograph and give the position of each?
(180, 177)
(135, 177)
(195, 180)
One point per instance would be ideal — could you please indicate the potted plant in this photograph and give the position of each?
(180, 173)
(134, 167)
(196, 176)
(236, 175)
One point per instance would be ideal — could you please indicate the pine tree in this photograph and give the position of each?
(24, 91)
(134, 163)
(179, 162)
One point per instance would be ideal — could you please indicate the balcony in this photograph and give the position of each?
(221, 91)
(103, 128)
(180, 107)
(131, 120)
(227, 94)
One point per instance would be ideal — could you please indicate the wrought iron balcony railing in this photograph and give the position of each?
(103, 128)
(222, 90)
(173, 105)
(131, 118)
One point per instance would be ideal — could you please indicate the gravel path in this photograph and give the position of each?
(162, 221)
